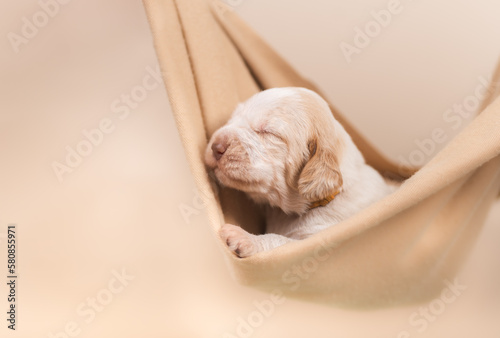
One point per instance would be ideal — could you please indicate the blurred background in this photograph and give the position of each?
(112, 241)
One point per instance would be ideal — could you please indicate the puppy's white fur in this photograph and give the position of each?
(284, 148)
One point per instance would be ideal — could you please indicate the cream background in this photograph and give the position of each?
(120, 207)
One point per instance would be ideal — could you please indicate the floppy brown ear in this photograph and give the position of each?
(321, 175)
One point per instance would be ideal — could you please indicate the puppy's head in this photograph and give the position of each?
(282, 146)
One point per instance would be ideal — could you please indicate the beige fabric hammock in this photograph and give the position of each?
(401, 249)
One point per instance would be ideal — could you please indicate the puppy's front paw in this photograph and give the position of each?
(238, 240)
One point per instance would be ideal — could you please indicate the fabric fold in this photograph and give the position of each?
(404, 248)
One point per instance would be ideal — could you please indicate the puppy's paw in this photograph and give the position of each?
(238, 240)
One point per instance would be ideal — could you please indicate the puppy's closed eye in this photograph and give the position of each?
(267, 131)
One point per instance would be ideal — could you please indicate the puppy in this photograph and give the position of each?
(284, 148)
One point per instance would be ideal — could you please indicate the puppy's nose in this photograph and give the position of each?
(219, 147)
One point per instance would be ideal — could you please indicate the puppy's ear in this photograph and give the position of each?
(321, 175)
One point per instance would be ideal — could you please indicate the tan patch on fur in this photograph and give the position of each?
(321, 175)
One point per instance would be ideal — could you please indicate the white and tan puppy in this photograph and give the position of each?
(284, 148)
